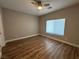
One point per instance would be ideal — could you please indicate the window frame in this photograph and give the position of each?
(53, 33)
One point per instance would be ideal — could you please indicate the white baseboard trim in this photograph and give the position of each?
(21, 38)
(69, 43)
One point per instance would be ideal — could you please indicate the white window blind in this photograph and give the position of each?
(55, 26)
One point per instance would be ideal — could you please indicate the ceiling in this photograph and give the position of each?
(26, 7)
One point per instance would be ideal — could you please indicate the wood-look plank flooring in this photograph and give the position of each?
(39, 47)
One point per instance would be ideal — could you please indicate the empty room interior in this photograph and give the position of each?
(39, 29)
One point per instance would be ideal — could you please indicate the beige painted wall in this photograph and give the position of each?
(17, 24)
(72, 23)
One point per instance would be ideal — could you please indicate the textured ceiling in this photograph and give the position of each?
(26, 7)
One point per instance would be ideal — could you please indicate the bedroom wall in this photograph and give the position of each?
(17, 24)
(71, 14)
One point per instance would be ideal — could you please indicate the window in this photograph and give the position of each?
(55, 26)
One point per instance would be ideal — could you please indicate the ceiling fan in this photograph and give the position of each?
(40, 4)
